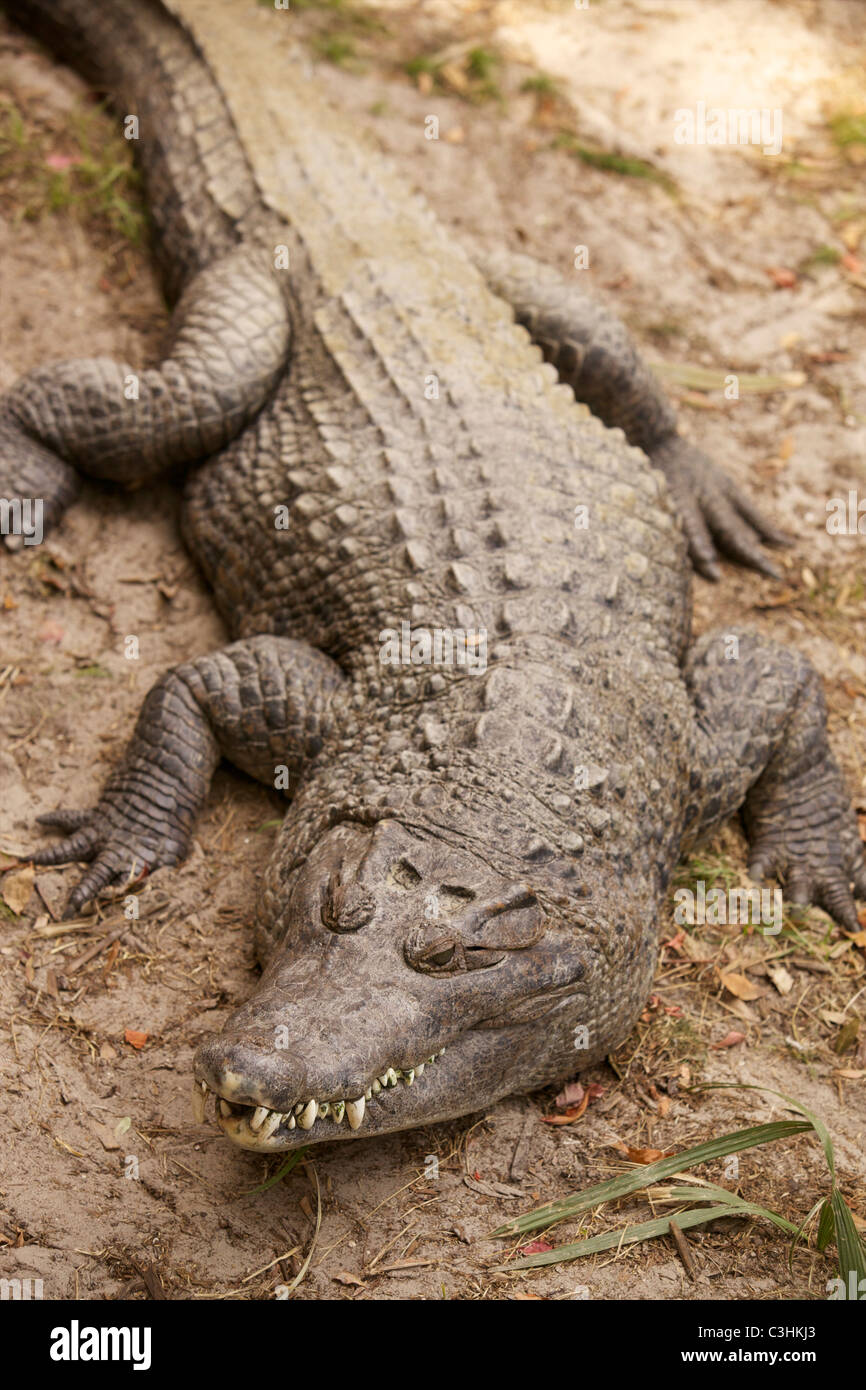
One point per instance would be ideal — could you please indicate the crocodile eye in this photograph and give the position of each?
(443, 957)
(426, 952)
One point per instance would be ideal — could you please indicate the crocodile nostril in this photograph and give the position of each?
(345, 907)
(405, 874)
(456, 890)
(247, 1069)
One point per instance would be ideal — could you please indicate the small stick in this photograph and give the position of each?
(684, 1251)
(520, 1157)
(97, 947)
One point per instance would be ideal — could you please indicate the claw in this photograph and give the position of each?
(77, 848)
(715, 516)
(64, 820)
(835, 898)
(735, 537)
(105, 870)
(798, 889)
(768, 533)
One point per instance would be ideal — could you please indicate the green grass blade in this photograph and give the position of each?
(632, 1235)
(695, 378)
(826, 1225)
(724, 1197)
(814, 1120)
(283, 1171)
(647, 1174)
(849, 1242)
(798, 1236)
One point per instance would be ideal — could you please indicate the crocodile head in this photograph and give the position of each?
(410, 983)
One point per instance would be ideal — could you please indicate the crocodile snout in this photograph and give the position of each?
(252, 1095)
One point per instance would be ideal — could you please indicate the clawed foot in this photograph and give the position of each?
(716, 516)
(119, 844)
(817, 857)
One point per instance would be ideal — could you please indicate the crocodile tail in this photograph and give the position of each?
(199, 182)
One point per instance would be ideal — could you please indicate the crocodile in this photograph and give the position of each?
(447, 518)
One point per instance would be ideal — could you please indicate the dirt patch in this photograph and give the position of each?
(721, 261)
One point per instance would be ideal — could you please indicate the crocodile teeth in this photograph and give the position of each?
(271, 1125)
(355, 1112)
(199, 1101)
(264, 1123)
(307, 1117)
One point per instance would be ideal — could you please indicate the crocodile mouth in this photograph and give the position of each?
(259, 1128)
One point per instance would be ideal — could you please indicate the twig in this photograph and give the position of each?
(685, 1253)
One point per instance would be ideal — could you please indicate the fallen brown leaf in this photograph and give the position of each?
(643, 1155)
(17, 889)
(571, 1094)
(536, 1247)
(782, 277)
(740, 986)
(574, 1112)
(829, 356)
(782, 978)
(731, 1039)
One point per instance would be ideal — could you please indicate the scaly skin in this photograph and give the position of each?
(471, 860)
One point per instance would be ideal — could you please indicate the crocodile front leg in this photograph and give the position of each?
(594, 355)
(229, 342)
(261, 702)
(761, 744)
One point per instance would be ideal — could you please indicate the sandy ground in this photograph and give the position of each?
(107, 1187)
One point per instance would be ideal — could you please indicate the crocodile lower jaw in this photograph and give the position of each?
(257, 1127)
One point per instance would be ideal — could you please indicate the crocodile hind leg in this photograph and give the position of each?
(229, 342)
(261, 703)
(594, 355)
(761, 743)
